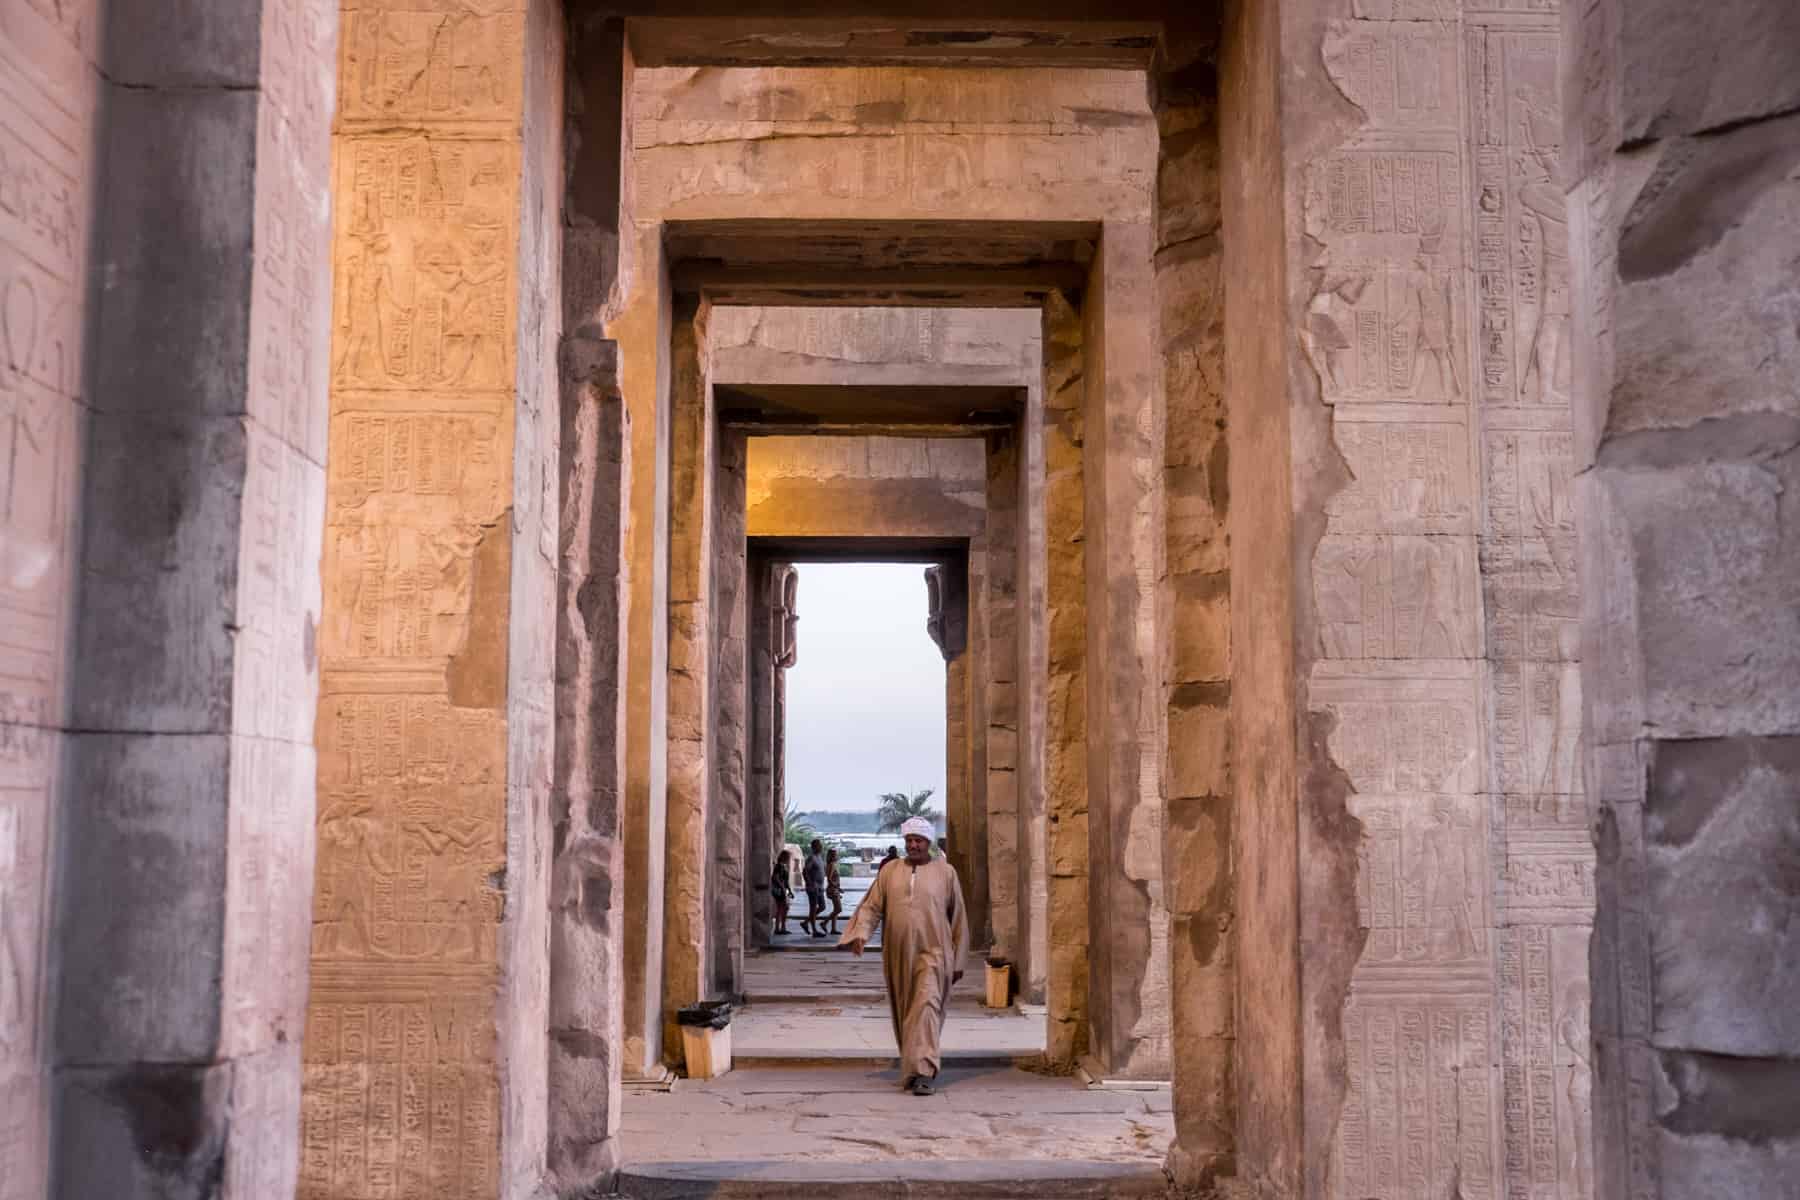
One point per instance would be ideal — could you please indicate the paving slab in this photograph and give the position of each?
(850, 1115)
(861, 1030)
(966, 1180)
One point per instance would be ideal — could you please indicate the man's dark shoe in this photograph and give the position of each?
(921, 1086)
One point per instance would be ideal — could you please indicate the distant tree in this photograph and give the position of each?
(897, 808)
(798, 831)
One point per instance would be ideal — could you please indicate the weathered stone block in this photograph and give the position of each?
(1701, 329)
(177, 214)
(1685, 70)
(1723, 841)
(1717, 566)
(1199, 762)
(147, 817)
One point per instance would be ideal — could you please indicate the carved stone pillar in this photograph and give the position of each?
(429, 980)
(1066, 718)
(180, 932)
(694, 453)
(1196, 643)
(729, 696)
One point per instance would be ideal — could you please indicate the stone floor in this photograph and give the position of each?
(814, 1105)
(859, 1114)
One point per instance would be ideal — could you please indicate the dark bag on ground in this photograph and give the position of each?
(708, 1014)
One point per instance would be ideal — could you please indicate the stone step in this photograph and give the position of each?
(877, 1059)
(912, 1179)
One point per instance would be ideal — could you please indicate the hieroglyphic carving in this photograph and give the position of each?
(22, 862)
(1423, 880)
(1417, 1118)
(401, 1100)
(431, 62)
(1547, 1071)
(1401, 730)
(410, 830)
(426, 296)
(1401, 76)
(412, 495)
(1536, 721)
(1521, 223)
(1528, 548)
(1408, 477)
(1395, 597)
(1379, 331)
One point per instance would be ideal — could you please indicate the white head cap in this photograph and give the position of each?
(917, 827)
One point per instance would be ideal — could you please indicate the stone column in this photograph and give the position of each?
(1261, 457)
(948, 591)
(760, 834)
(786, 656)
(1683, 141)
(1066, 717)
(1004, 530)
(957, 817)
(730, 725)
(187, 802)
(50, 78)
(586, 909)
(693, 455)
(642, 330)
(587, 884)
(974, 868)
(1123, 541)
(431, 917)
(1194, 626)
(1034, 693)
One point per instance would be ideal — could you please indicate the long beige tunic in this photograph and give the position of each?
(924, 938)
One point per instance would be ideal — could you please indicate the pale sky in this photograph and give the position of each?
(866, 698)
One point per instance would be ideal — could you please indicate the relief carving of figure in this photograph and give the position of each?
(458, 866)
(1344, 576)
(475, 309)
(1329, 336)
(1448, 873)
(1439, 623)
(1578, 1089)
(1547, 364)
(1434, 337)
(348, 846)
(371, 311)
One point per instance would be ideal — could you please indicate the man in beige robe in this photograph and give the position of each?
(918, 903)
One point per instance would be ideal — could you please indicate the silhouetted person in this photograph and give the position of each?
(834, 890)
(812, 875)
(781, 887)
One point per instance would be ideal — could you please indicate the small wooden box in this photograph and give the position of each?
(708, 1051)
(999, 986)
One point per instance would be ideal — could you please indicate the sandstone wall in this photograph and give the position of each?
(866, 487)
(49, 86)
(187, 803)
(430, 977)
(1446, 869)
(1014, 145)
(871, 346)
(1684, 161)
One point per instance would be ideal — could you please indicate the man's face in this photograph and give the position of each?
(918, 849)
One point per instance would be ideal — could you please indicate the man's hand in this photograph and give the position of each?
(855, 946)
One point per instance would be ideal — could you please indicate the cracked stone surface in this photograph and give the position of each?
(854, 1114)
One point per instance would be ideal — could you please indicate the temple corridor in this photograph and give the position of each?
(1349, 454)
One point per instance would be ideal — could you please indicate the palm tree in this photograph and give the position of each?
(797, 831)
(897, 808)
